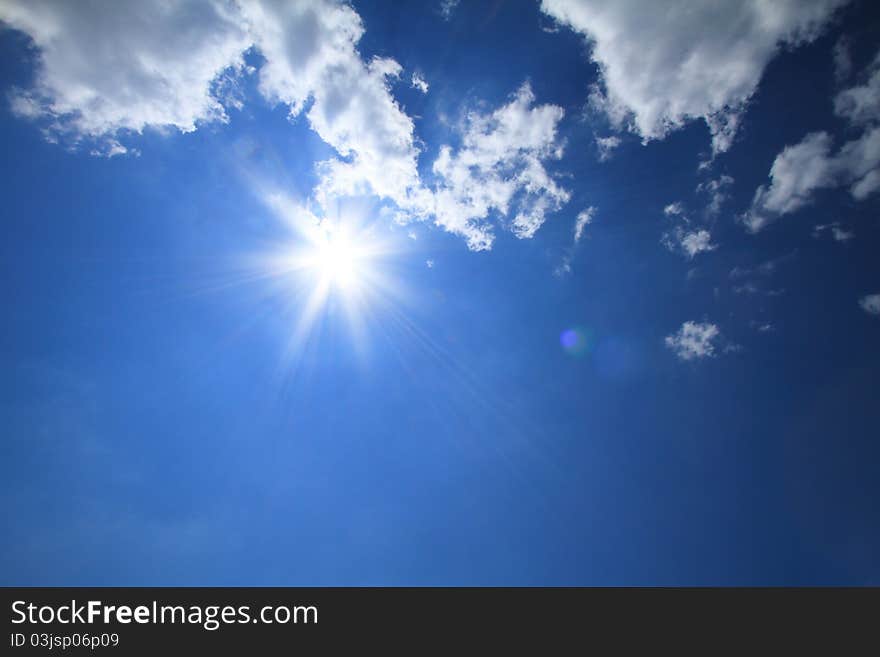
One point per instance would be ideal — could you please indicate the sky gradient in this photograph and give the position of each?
(614, 316)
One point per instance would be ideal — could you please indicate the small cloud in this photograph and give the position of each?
(111, 148)
(447, 8)
(762, 327)
(694, 340)
(606, 146)
(689, 243)
(838, 233)
(674, 209)
(564, 267)
(429, 264)
(584, 218)
(412, 235)
(871, 304)
(418, 82)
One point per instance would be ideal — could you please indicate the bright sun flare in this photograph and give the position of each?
(337, 260)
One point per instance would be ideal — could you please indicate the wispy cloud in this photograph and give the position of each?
(583, 219)
(447, 8)
(870, 304)
(837, 232)
(685, 237)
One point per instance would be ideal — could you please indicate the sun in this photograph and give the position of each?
(337, 260)
(343, 269)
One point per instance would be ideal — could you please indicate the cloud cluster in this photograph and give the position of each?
(665, 63)
(500, 167)
(684, 237)
(801, 170)
(104, 69)
(694, 340)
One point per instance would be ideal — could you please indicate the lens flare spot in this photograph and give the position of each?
(575, 341)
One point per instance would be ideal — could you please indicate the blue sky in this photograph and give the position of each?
(571, 292)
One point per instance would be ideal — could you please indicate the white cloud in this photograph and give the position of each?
(683, 237)
(584, 218)
(429, 264)
(499, 167)
(688, 242)
(801, 170)
(674, 209)
(870, 304)
(110, 67)
(694, 340)
(104, 71)
(310, 51)
(418, 82)
(665, 63)
(607, 146)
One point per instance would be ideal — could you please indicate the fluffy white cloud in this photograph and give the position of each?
(665, 63)
(801, 170)
(106, 67)
(870, 304)
(499, 167)
(311, 55)
(694, 340)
